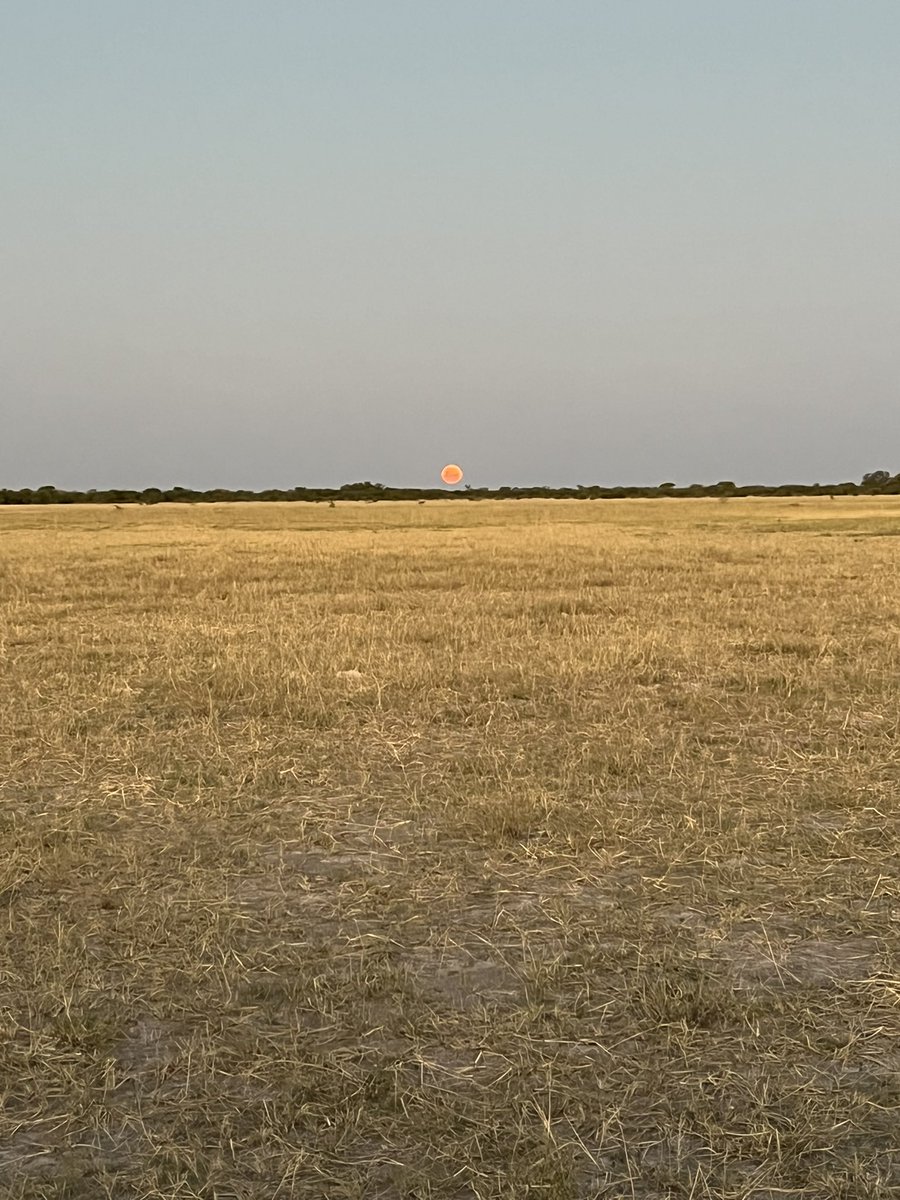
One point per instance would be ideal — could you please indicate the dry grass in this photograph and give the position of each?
(450, 851)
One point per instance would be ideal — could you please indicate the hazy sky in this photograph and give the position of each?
(557, 241)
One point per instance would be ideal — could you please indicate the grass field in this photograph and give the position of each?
(488, 850)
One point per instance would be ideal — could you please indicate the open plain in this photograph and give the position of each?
(457, 851)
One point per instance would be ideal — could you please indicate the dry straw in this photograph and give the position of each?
(474, 850)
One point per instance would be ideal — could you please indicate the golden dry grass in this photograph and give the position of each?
(482, 850)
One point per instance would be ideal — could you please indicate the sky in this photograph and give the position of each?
(312, 242)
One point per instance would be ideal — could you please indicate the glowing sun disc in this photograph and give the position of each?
(451, 473)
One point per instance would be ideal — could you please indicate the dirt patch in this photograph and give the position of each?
(679, 917)
(24, 1158)
(462, 982)
(341, 864)
(819, 962)
(758, 959)
(148, 1045)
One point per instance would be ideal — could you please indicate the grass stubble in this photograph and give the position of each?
(450, 851)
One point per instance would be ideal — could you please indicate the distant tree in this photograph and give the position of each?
(876, 479)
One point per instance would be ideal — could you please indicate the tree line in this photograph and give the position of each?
(874, 483)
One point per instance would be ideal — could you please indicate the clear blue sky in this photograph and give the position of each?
(557, 241)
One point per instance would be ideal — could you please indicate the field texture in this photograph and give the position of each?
(457, 851)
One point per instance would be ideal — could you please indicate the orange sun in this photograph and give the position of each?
(451, 473)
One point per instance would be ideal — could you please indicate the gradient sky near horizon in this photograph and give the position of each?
(556, 241)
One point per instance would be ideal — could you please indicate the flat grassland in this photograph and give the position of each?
(457, 850)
